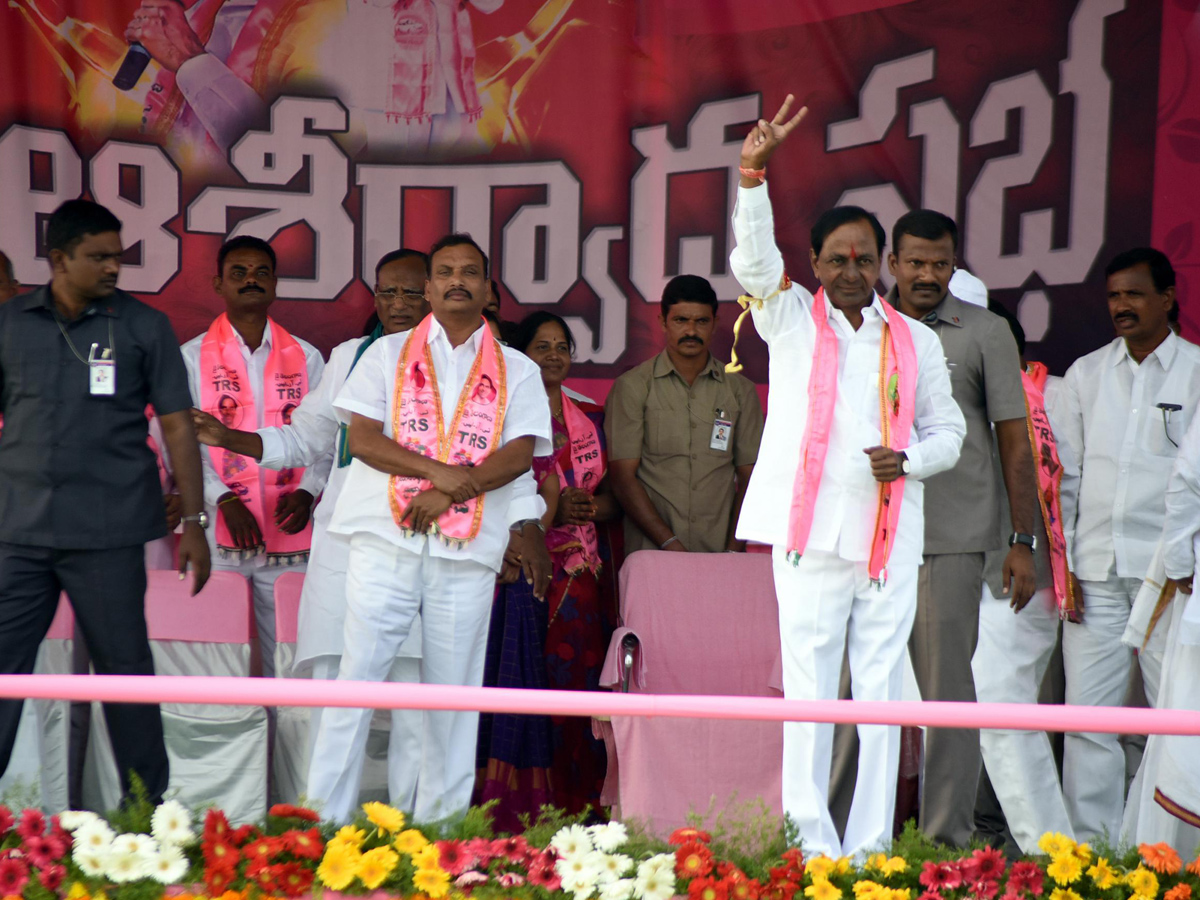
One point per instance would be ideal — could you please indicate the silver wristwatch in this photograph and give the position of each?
(200, 518)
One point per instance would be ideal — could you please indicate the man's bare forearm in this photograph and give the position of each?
(632, 496)
(1020, 476)
(367, 442)
(184, 450)
(505, 465)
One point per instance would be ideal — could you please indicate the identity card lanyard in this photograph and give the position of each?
(102, 370)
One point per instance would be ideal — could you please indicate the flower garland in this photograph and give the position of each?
(82, 856)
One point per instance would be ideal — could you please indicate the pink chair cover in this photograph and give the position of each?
(219, 614)
(707, 624)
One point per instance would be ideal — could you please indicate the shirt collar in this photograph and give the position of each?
(42, 298)
(1164, 352)
(436, 332)
(664, 366)
(875, 310)
(948, 311)
(266, 338)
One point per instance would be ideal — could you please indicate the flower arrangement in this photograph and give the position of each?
(158, 853)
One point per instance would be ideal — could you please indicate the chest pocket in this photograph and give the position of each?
(666, 429)
(1159, 424)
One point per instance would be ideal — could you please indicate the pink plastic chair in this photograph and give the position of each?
(703, 624)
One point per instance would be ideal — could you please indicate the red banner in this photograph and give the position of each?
(591, 145)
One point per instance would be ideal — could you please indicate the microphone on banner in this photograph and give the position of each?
(132, 66)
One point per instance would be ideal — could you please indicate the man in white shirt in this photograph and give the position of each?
(246, 281)
(830, 583)
(1125, 408)
(396, 567)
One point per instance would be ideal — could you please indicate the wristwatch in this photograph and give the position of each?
(905, 465)
(1028, 540)
(520, 526)
(200, 518)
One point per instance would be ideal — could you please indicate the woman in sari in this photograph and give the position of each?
(530, 760)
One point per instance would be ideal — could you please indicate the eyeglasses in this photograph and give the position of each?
(408, 296)
(1167, 409)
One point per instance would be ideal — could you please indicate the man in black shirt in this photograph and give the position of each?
(80, 361)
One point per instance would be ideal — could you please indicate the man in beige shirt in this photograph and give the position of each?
(683, 434)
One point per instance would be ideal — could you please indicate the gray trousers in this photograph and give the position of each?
(943, 641)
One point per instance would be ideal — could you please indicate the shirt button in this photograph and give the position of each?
(693, 456)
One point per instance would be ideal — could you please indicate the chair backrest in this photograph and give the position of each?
(707, 623)
(288, 587)
(222, 613)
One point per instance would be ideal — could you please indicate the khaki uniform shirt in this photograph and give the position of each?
(653, 415)
(963, 505)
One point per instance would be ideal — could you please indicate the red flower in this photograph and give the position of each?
(544, 877)
(263, 849)
(685, 835)
(454, 860)
(1026, 876)
(221, 856)
(481, 850)
(216, 826)
(514, 849)
(305, 844)
(968, 867)
(52, 876)
(795, 856)
(32, 823)
(59, 837)
(930, 895)
(217, 880)
(984, 890)
(287, 811)
(244, 834)
(264, 879)
(708, 889)
(14, 874)
(990, 863)
(39, 849)
(6, 820)
(293, 879)
(693, 860)
(743, 888)
(940, 876)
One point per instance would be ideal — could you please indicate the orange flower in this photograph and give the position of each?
(693, 860)
(687, 835)
(1161, 857)
(1179, 892)
(1194, 866)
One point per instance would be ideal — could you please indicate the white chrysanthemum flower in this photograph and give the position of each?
(654, 881)
(572, 840)
(580, 884)
(621, 889)
(663, 862)
(611, 866)
(608, 837)
(76, 818)
(168, 865)
(92, 863)
(95, 837)
(171, 824)
(577, 864)
(137, 844)
(124, 867)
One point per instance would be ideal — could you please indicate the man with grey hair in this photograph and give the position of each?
(8, 279)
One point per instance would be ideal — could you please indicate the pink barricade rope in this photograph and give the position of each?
(373, 695)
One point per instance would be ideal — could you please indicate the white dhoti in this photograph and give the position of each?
(1098, 666)
(818, 600)
(386, 588)
(1010, 661)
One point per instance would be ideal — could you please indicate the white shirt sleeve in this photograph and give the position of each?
(224, 104)
(757, 264)
(1067, 422)
(366, 390)
(939, 422)
(214, 487)
(316, 474)
(1182, 520)
(528, 413)
(526, 502)
(313, 431)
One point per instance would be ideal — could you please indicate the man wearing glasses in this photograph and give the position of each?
(1125, 410)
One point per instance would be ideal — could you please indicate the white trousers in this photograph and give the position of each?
(404, 738)
(1010, 661)
(819, 599)
(1098, 667)
(262, 585)
(386, 587)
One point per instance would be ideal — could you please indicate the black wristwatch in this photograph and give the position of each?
(1028, 540)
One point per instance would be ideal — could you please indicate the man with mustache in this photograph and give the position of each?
(985, 377)
(680, 483)
(262, 525)
(1126, 408)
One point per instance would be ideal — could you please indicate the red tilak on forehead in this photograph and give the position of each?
(853, 253)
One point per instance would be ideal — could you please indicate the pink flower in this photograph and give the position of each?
(544, 877)
(466, 879)
(481, 849)
(32, 822)
(984, 890)
(40, 850)
(14, 874)
(990, 863)
(52, 876)
(968, 866)
(511, 879)
(930, 894)
(514, 849)
(1026, 876)
(6, 820)
(940, 876)
(453, 858)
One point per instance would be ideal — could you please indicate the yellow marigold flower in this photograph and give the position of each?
(876, 861)
(339, 866)
(376, 865)
(1064, 894)
(895, 866)
(1083, 853)
(350, 836)
(899, 894)
(843, 866)
(1102, 874)
(78, 892)
(1065, 868)
(821, 889)
(1052, 843)
(386, 818)
(867, 890)
(1143, 882)
(819, 867)
(433, 882)
(428, 857)
(410, 841)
